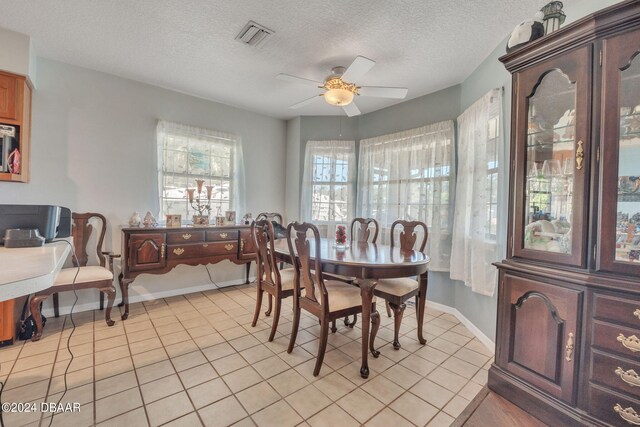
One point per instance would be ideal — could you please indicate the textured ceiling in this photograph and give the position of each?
(189, 46)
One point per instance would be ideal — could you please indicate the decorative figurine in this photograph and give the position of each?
(526, 31)
(246, 219)
(553, 16)
(135, 220)
(149, 220)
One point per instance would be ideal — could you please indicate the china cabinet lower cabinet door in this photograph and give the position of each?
(147, 251)
(539, 334)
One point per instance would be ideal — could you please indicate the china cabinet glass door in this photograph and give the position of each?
(620, 207)
(551, 165)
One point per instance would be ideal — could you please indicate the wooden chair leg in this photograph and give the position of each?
(34, 306)
(294, 326)
(268, 312)
(375, 325)
(101, 301)
(355, 320)
(276, 318)
(398, 312)
(56, 311)
(333, 327)
(256, 313)
(386, 304)
(111, 297)
(324, 335)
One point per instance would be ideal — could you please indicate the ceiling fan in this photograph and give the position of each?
(339, 89)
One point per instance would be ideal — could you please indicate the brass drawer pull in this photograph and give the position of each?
(629, 414)
(223, 235)
(241, 245)
(186, 236)
(637, 313)
(632, 343)
(162, 251)
(630, 377)
(569, 348)
(178, 251)
(228, 246)
(579, 155)
(205, 245)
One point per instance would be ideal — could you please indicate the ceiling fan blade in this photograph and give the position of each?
(384, 92)
(306, 102)
(351, 109)
(357, 69)
(299, 80)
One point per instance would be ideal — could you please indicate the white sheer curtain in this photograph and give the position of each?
(328, 184)
(186, 153)
(474, 246)
(409, 175)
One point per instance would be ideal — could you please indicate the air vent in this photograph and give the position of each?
(253, 34)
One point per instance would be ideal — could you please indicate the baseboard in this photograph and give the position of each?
(48, 312)
(488, 342)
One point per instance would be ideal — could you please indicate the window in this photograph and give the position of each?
(187, 153)
(475, 226)
(328, 182)
(493, 138)
(408, 175)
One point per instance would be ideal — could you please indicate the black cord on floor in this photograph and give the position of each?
(73, 324)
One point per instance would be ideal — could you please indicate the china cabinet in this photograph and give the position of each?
(567, 347)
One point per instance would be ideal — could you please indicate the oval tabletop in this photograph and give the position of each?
(363, 260)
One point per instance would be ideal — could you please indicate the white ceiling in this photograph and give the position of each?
(189, 46)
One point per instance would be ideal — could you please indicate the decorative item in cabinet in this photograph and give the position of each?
(15, 127)
(620, 212)
(551, 142)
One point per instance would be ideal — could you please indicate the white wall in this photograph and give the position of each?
(93, 149)
(16, 54)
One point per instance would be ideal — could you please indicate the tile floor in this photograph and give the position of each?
(195, 360)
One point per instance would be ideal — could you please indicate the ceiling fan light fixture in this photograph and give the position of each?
(339, 97)
(338, 92)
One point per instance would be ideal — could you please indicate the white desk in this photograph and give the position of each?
(24, 271)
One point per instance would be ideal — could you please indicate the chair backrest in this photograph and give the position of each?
(270, 216)
(308, 273)
(263, 235)
(364, 231)
(408, 234)
(81, 232)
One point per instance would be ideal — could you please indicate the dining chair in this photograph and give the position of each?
(270, 279)
(328, 300)
(276, 218)
(397, 291)
(81, 275)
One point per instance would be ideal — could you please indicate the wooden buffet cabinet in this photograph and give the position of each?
(567, 346)
(157, 250)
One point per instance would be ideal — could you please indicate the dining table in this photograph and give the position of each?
(368, 262)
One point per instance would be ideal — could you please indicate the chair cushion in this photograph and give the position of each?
(342, 295)
(287, 278)
(397, 287)
(85, 275)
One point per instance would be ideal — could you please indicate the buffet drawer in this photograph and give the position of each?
(618, 339)
(616, 373)
(185, 237)
(220, 235)
(617, 310)
(200, 250)
(613, 408)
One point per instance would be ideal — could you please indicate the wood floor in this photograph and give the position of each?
(490, 409)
